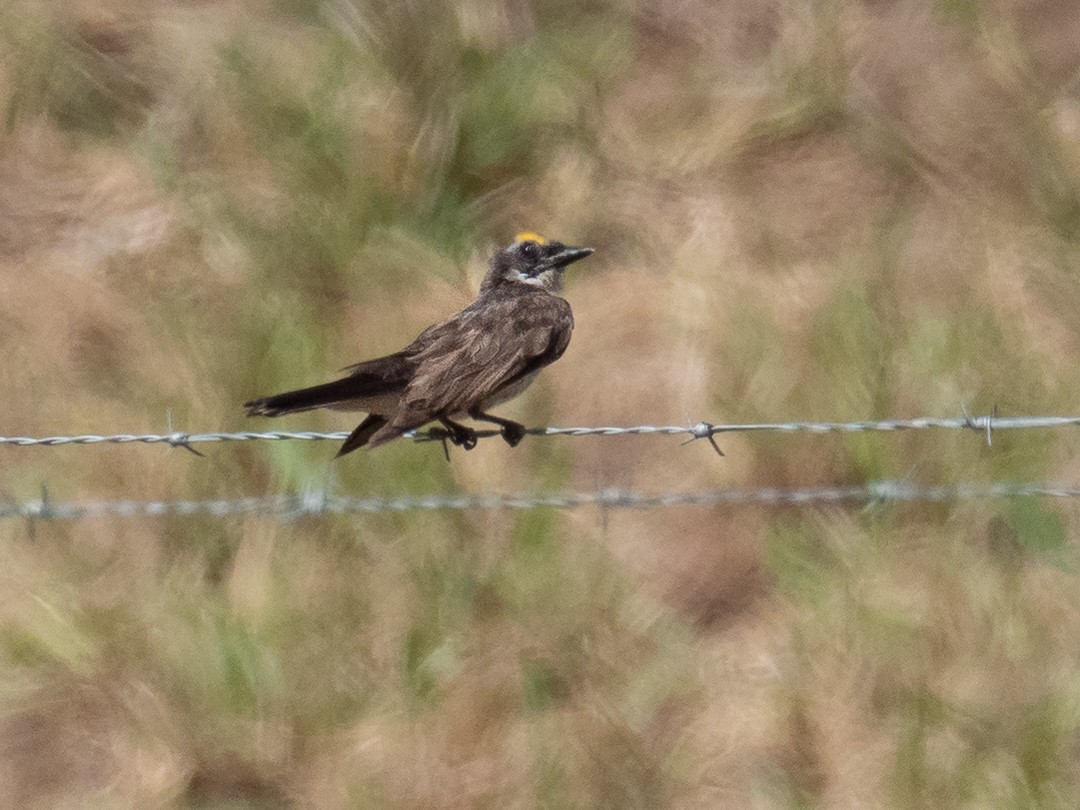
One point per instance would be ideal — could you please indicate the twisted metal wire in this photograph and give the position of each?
(318, 503)
(701, 430)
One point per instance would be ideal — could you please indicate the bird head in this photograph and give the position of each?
(533, 260)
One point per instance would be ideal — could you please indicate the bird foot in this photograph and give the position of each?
(457, 435)
(513, 433)
(466, 438)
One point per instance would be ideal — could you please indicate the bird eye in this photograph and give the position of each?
(530, 250)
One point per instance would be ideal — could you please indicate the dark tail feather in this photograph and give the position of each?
(306, 399)
(359, 437)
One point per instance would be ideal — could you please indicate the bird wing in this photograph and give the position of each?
(486, 347)
(381, 375)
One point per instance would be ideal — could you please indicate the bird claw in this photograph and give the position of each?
(513, 434)
(459, 436)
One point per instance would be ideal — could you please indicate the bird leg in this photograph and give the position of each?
(512, 432)
(459, 434)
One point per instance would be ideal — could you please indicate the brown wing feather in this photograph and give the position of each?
(486, 348)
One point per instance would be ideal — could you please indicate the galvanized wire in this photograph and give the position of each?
(700, 430)
(319, 503)
(175, 439)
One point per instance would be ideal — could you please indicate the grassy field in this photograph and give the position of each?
(830, 209)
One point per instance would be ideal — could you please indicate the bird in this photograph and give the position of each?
(478, 358)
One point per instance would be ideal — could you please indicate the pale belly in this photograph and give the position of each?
(511, 391)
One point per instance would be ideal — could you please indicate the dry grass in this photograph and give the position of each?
(842, 209)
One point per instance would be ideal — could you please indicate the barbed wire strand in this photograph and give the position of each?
(320, 502)
(700, 430)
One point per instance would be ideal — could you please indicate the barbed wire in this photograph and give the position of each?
(701, 430)
(321, 502)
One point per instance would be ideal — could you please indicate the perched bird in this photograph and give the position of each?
(483, 356)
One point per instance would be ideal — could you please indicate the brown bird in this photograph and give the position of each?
(483, 356)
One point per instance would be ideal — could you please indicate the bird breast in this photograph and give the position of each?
(510, 391)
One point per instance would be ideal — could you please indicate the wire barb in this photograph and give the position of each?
(177, 439)
(982, 423)
(183, 440)
(703, 430)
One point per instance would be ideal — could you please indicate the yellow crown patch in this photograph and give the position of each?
(529, 236)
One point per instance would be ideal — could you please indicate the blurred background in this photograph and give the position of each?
(826, 209)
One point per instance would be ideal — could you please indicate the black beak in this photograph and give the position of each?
(568, 255)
